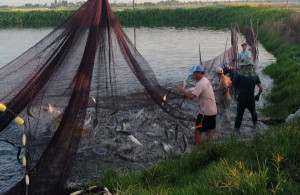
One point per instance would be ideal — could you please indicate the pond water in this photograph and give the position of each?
(170, 52)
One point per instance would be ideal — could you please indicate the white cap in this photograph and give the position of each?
(219, 70)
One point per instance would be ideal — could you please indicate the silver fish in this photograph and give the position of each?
(123, 126)
(139, 113)
(93, 99)
(167, 147)
(134, 140)
(86, 122)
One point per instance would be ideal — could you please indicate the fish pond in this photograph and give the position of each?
(171, 53)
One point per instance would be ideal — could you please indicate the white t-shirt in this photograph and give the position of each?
(206, 97)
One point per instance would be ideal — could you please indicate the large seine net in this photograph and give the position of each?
(86, 76)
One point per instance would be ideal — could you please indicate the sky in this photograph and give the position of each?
(23, 2)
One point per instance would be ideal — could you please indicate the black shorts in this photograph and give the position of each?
(205, 123)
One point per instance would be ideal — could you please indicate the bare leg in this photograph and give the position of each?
(210, 135)
(198, 137)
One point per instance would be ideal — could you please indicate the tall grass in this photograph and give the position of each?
(33, 19)
(218, 17)
(282, 38)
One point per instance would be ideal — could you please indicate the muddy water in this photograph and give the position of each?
(171, 53)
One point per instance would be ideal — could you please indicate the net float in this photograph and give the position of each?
(19, 121)
(2, 107)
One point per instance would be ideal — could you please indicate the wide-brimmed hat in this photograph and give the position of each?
(247, 70)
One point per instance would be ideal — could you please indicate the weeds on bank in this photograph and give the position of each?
(283, 99)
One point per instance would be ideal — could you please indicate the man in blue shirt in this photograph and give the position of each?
(244, 56)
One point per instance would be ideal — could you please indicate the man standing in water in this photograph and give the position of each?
(206, 119)
(224, 93)
(244, 56)
(246, 85)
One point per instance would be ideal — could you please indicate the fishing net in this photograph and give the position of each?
(81, 77)
(251, 40)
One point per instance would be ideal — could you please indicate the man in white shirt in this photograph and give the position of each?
(206, 120)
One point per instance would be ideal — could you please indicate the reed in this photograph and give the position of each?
(217, 17)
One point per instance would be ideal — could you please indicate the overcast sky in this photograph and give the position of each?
(23, 2)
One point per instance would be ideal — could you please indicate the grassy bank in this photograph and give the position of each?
(282, 38)
(211, 16)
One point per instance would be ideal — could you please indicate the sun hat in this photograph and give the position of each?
(197, 68)
(247, 70)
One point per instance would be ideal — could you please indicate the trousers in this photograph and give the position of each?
(241, 106)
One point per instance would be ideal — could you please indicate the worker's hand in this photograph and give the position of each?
(256, 97)
(180, 88)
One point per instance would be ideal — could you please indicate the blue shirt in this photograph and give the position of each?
(244, 56)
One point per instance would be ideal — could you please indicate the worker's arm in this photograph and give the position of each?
(259, 91)
(186, 94)
(228, 86)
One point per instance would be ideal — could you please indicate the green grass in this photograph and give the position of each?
(208, 16)
(284, 98)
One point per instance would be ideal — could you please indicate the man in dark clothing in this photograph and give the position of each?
(246, 86)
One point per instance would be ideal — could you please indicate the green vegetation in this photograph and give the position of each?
(218, 17)
(33, 19)
(282, 39)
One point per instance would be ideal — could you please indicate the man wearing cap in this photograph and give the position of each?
(228, 70)
(246, 86)
(224, 93)
(206, 119)
(244, 56)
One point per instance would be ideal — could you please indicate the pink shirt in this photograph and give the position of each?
(206, 97)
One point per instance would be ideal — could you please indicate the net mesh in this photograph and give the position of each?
(86, 69)
(251, 40)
